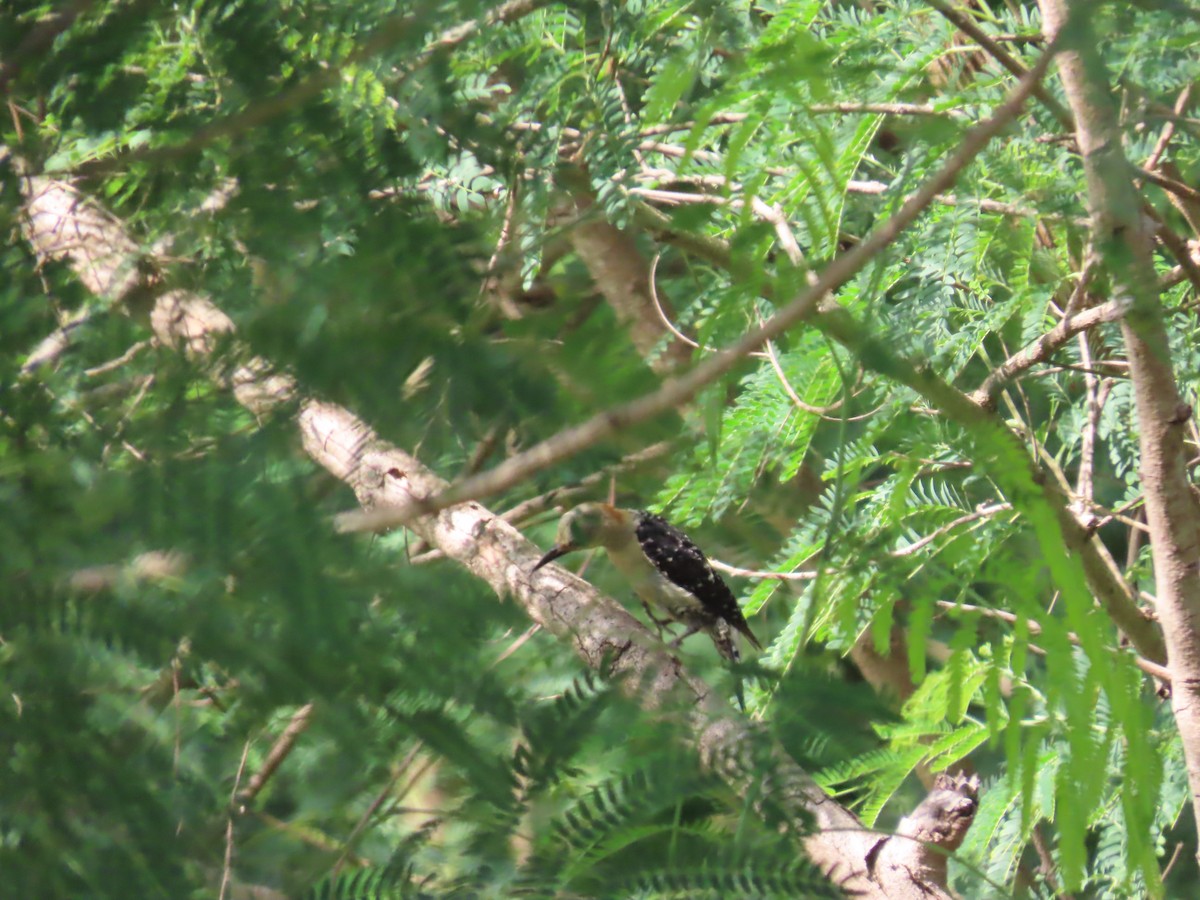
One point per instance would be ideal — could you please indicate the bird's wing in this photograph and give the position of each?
(684, 564)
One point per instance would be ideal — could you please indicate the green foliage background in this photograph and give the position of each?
(353, 229)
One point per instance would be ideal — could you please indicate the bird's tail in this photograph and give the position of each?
(725, 640)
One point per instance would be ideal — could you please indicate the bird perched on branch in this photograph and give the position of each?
(668, 572)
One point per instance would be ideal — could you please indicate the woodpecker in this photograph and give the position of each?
(668, 572)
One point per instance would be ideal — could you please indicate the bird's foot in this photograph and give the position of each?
(692, 629)
(660, 625)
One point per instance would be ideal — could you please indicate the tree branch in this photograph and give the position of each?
(622, 276)
(1171, 509)
(964, 23)
(278, 753)
(602, 633)
(679, 390)
(1042, 349)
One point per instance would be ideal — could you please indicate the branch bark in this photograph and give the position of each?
(1122, 235)
(623, 277)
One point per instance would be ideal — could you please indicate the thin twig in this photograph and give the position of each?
(278, 753)
(1085, 484)
(1164, 137)
(886, 109)
(527, 508)
(982, 203)
(502, 244)
(120, 361)
(1178, 188)
(516, 644)
(652, 283)
(791, 247)
(757, 573)
(1043, 348)
(227, 868)
(1150, 668)
(1176, 246)
(1174, 859)
(375, 804)
(981, 513)
(1047, 862)
(305, 834)
(822, 411)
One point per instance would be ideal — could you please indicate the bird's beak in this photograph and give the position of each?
(555, 553)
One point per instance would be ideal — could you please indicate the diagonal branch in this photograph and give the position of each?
(1043, 348)
(967, 25)
(602, 633)
(679, 390)
(622, 276)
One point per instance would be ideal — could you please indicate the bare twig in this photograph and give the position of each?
(1168, 131)
(758, 573)
(774, 215)
(490, 283)
(984, 204)
(366, 817)
(527, 508)
(1178, 188)
(1043, 348)
(781, 376)
(517, 644)
(1046, 858)
(306, 834)
(227, 867)
(120, 361)
(1084, 484)
(982, 513)
(885, 109)
(662, 314)
(1175, 854)
(1176, 246)
(278, 753)
(1150, 668)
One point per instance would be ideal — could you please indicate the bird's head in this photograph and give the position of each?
(587, 525)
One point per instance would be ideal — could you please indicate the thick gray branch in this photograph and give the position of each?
(599, 629)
